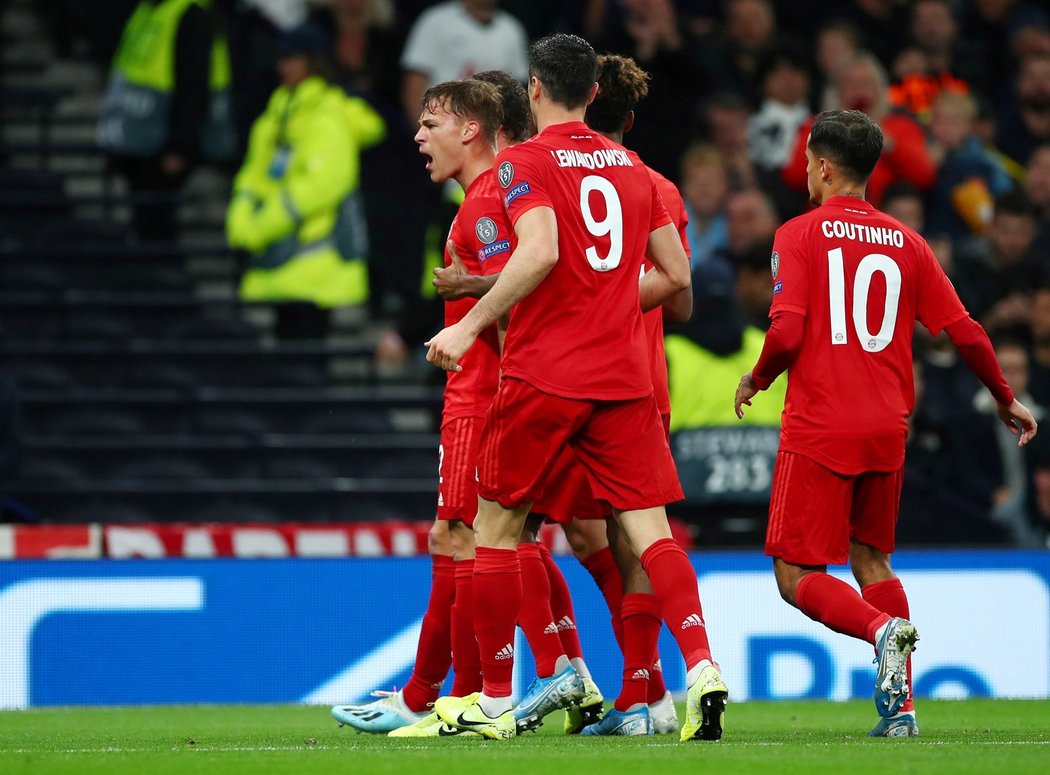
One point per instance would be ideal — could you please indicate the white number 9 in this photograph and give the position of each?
(612, 226)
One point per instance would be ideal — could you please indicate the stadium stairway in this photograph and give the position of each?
(147, 391)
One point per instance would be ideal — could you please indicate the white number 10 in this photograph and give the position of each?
(611, 226)
(868, 266)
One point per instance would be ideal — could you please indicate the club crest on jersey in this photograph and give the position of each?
(486, 230)
(505, 173)
(774, 264)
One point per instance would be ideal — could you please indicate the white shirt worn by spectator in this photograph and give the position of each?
(447, 43)
(772, 131)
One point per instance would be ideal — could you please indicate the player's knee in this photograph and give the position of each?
(438, 539)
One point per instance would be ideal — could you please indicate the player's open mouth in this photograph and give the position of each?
(429, 158)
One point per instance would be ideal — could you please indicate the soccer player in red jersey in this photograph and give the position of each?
(575, 371)
(458, 128)
(849, 282)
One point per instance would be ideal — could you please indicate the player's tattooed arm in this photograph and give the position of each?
(455, 282)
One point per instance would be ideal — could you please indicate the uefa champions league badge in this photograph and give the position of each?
(486, 230)
(505, 174)
(774, 264)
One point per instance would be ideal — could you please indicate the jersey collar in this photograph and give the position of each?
(852, 202)
(569, 128)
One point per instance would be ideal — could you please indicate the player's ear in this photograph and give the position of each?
(629, 122)
(470, 130)
(535, 88)
(594, 93)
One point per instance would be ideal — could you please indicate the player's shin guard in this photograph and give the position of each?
(890, 598)
(561, 606)
(603, 569)
(641, 629)
(434, 651)
(838, 606)
(466, 660)
(496, 602)
(535, 617)
(674, 583)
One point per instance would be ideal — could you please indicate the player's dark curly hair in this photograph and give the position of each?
(517, 117)
(567, 67)
(475, 100)
(850, 139)
(622, 84)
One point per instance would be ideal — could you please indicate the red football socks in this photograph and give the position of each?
(535, 617)
(561, 606)
(838, 606)
(434, 651)
(603, 569)
(466, 660)
(674, 583)
(641, 629)
(890, 598)
(496, 598)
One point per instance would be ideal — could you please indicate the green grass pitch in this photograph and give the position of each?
(978, 736)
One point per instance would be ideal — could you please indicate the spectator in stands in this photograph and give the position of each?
(1037, 187)
(995, 274)
(704, 354)
(838, 43)
(772, 129)
(1038, 536)
(947, 477)
(969, 179)
(905, 203)
(1027, 124)
(784, 78)
(734, 59)
(880, 23)
(1039, 362)
(944, 63)
(650, 32)
(296, 206)
(167, 101)
(1009, 505)
(751, 220)
(456, 39)
(862, 86)
(705, 186)
(366, 44)
(724, 125)
(989, 27)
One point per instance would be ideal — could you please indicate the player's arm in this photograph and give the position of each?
(973, 345)
(532, 260)
(669, 280)
(455, 282)
(783, 341)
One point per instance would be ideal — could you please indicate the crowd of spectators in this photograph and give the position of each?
(961, 89)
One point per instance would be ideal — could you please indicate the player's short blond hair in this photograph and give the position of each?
(470, 100)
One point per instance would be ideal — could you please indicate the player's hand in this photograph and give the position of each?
(1019, 420)
(448, 346)
(745, 391)
(450, 280)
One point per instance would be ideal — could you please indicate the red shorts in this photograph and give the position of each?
(567, 494)
(814, 512)
(457, 469)
(621, 445)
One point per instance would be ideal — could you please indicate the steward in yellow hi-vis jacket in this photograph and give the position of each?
(296, 204)
(146, 110)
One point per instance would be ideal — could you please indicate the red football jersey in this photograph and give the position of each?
(862, 279)
(579, 333)
(482, 237)
(654, 318)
